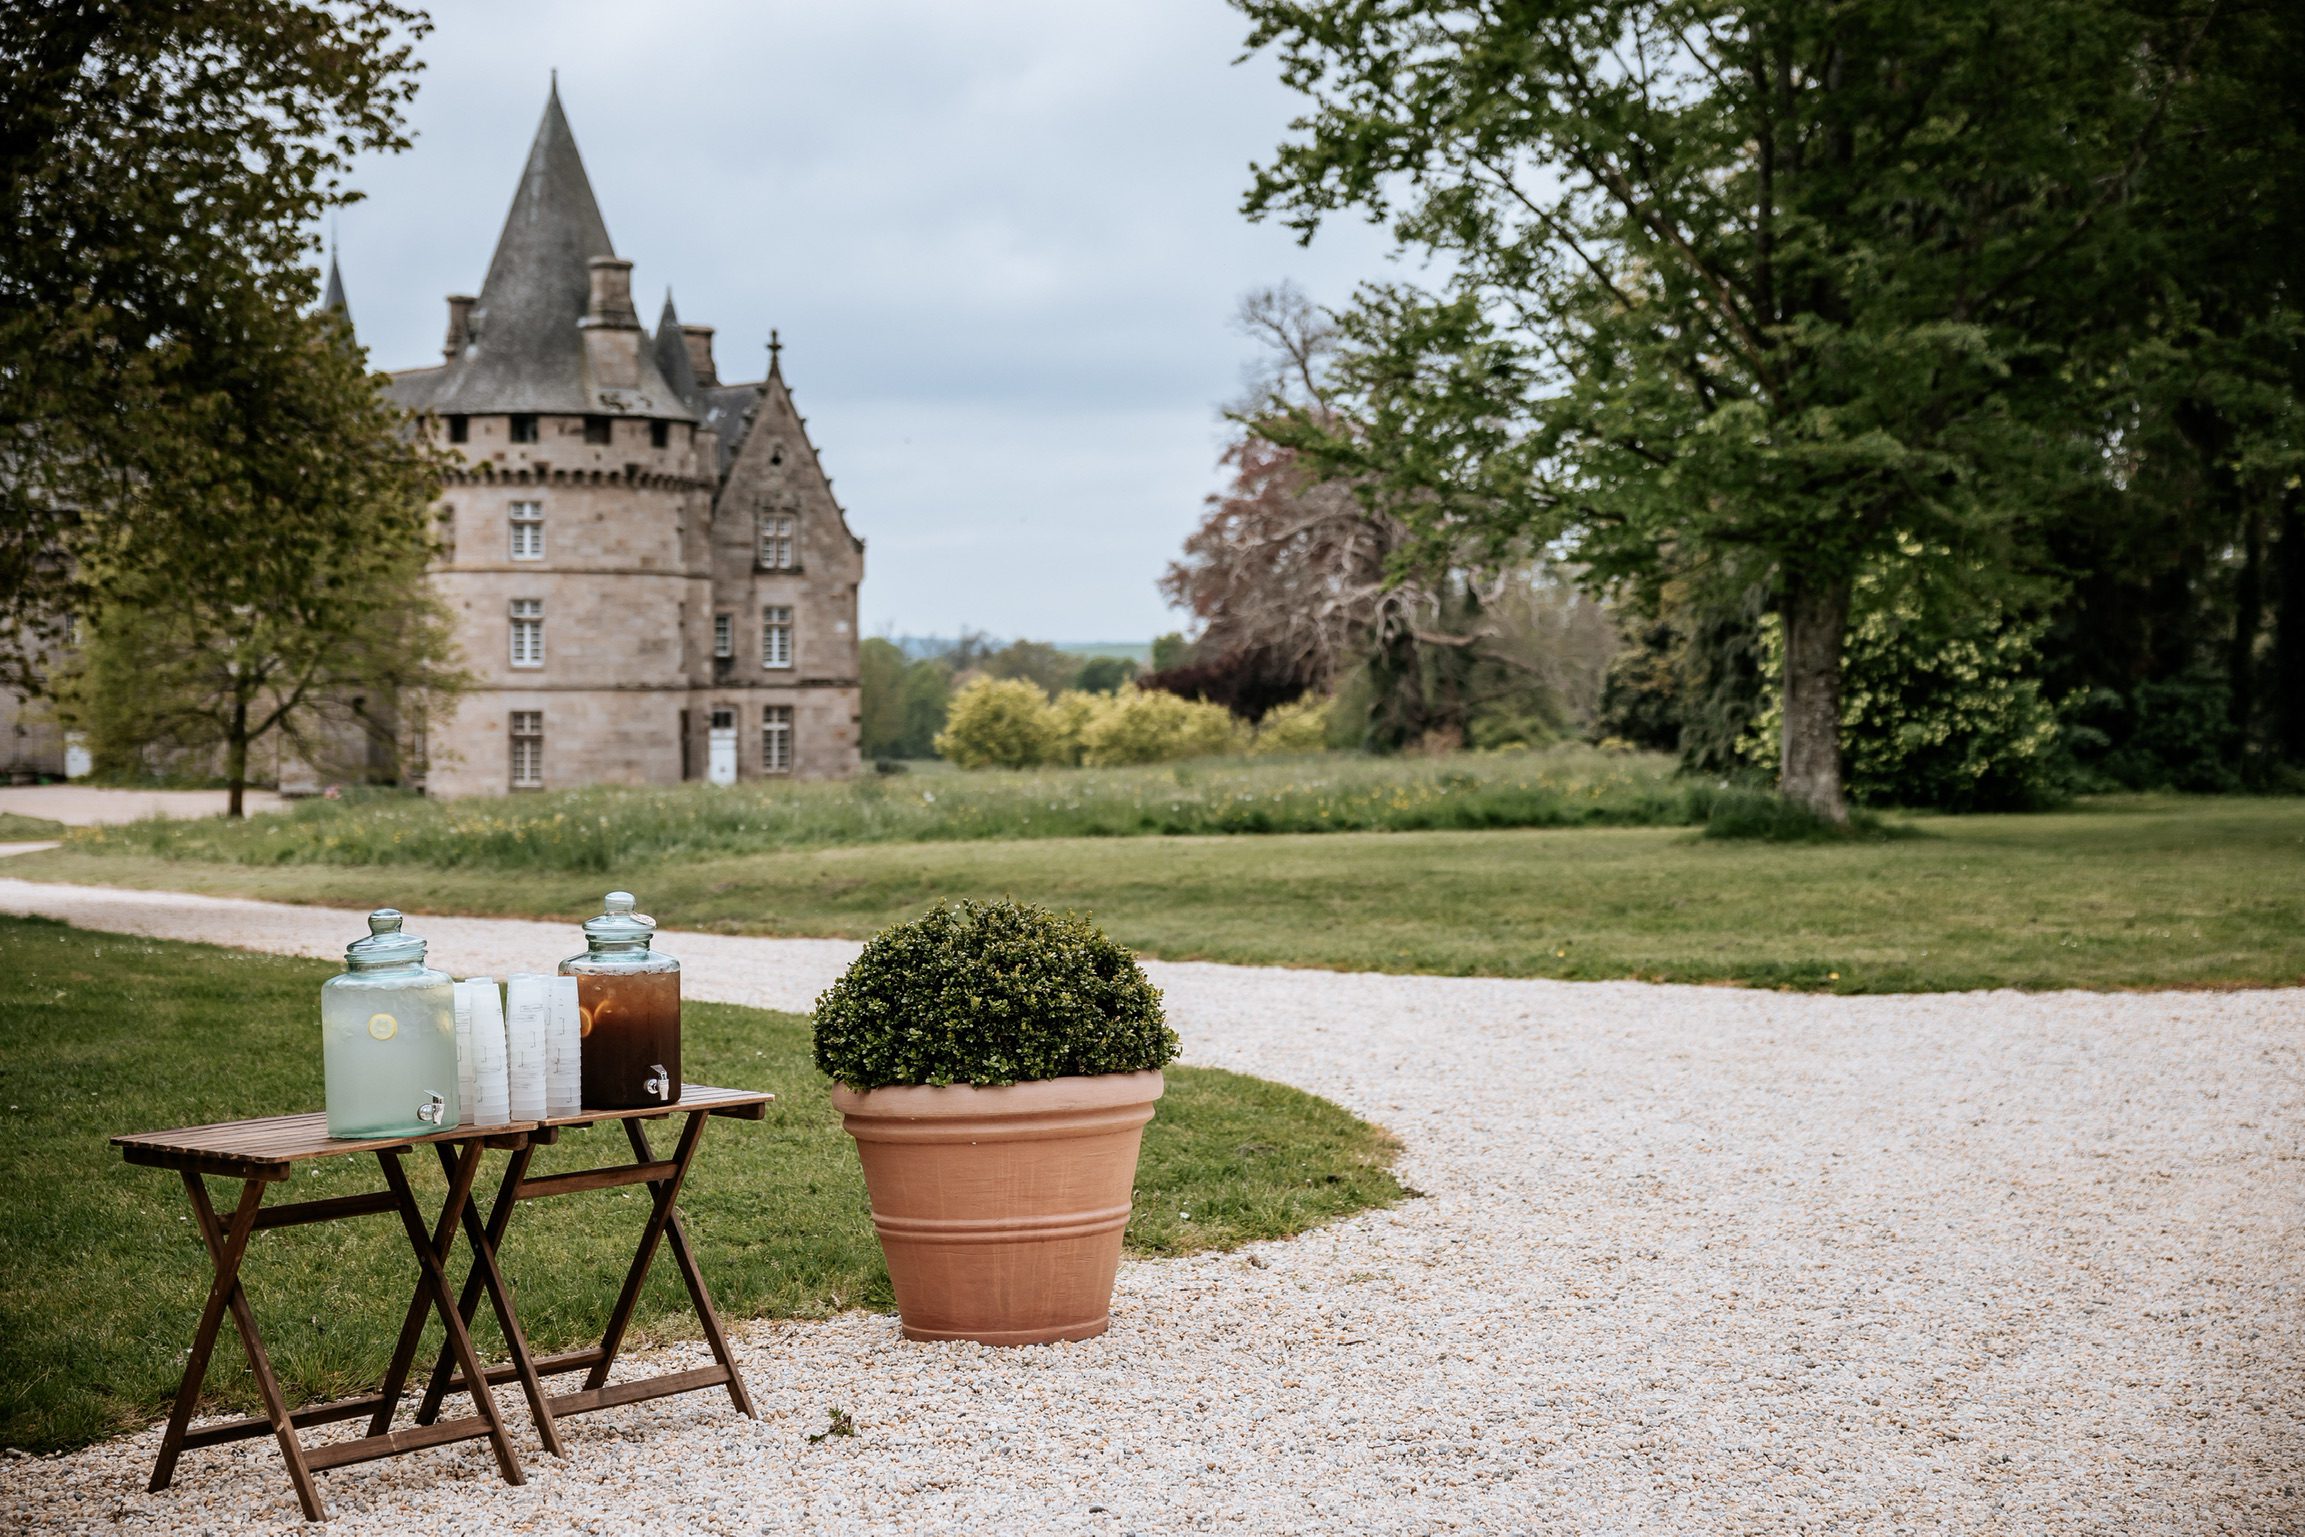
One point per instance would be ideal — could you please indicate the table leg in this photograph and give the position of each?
(487, 1275)
(685, 1257)
(443, 1236)
(666, 1192)
(431, 1252)
(227, 1247)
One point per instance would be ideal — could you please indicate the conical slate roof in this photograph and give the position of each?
(332, 298)
(526, 350)
(672, 354)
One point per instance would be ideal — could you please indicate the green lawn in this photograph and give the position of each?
(17, 828)
(102, 1274)
(2130, 892)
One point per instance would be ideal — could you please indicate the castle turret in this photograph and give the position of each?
(646, 589)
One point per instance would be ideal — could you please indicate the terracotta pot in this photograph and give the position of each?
(1001, 1210)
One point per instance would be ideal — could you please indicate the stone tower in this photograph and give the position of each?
(649, 575)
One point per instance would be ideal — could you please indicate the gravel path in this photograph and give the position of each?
(93, 805)
(1686, 1260)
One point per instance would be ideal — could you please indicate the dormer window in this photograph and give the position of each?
(778, 545)
(523, 425)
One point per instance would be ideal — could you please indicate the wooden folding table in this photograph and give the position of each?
(261, 1154)
(698, 1103)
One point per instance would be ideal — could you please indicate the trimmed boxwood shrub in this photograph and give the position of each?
(990, 993)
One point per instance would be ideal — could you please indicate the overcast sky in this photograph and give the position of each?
(1000, 240)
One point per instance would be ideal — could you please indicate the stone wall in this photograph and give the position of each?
(638, 558)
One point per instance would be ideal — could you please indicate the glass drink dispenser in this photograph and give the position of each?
(388, 1038)
(628, 1010)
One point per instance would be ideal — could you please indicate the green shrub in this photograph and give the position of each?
(990, 993)
(1150, 726)
(1293, 728)
(1940, 703)
(998, 723)
(2171, 734)
(1071, 712)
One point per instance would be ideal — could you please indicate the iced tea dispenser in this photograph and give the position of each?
(628, 1011)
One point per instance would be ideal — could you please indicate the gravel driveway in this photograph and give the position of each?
(1685, 1260)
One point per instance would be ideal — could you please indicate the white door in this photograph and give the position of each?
(720, 758)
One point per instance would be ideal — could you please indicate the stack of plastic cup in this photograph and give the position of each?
(526, 1003)
(564, 1045)
(491, 1101)
(467, 1097)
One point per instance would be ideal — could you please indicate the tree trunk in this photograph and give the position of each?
(1816, 615)
(2289, 630)
(2248, 618)
(236, 762)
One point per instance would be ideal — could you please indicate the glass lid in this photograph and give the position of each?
(618, 924)
(385, 944)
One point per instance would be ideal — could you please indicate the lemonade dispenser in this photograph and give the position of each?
(388, 1038)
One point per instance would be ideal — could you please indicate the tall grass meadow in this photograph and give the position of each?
(607, 828)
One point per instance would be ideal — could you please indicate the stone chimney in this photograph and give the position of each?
(459, 326)
(612, 334)
(699, 339)
(611, 294)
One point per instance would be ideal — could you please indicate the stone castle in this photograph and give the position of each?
(650, 579)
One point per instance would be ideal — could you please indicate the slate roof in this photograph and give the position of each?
(728, 410)
(526, 351)
(332, 298)
(672, 354)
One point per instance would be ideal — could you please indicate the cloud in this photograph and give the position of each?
(1001, 241)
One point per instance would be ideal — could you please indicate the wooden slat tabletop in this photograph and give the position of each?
(265, 1148)
(744, 1104)
(274, 1142)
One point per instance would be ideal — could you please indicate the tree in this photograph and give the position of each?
(269, 574)
(1736, 294)
(161, 166)
(1297, 581)
(880, 667)
(1035, 661)
(1105, 674)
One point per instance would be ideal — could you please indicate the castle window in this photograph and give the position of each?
(777, 541)
(597, 430)
(523, 426)
(528, 749)
(528, 530)
(459, 429)
(660, 434)
(724, 635)
(776, 739)
(528, 632)
(776, 637)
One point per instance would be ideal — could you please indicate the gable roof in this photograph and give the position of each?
(524, 349)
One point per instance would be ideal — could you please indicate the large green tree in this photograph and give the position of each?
(1728, 294)
(268, 576)
(161, 166)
